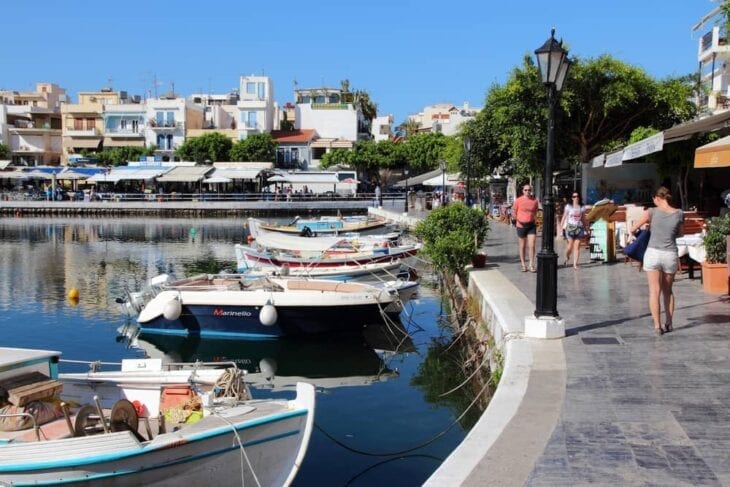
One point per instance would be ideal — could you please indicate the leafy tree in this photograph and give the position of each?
(423, 151)
(257, 147)
(451, 235)
(409, 127)
(209, 147)
(368, 107)
(4, 151)
(336, 157)
(119, 156)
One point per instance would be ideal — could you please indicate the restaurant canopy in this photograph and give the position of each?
(416, 180)
(714, 154)
(228, 174)
(185, 174)
(123, 173)
(451, 180)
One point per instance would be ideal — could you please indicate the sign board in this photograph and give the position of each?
(601, 242)
(652, 144)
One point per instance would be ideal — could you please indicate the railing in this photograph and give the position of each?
(706, 41)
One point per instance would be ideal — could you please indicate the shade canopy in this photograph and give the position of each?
(185, 174)
(451, 180)
(714, 154)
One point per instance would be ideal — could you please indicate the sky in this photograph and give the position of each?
(405, 54)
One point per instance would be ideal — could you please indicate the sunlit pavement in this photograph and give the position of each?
(638, 408)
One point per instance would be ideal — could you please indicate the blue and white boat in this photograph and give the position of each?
(233, 306)
(326, 225)
(181, 423)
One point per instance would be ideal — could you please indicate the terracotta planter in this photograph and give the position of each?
(715, 278)
(478, 260)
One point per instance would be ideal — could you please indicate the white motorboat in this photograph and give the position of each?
(326, 225)
(186, 423)
(233, 306)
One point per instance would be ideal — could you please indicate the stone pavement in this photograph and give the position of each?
(638, 409)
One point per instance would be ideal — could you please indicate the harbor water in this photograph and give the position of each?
(384, 415)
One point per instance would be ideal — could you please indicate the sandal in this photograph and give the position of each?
(532, 269)
(668, 328)
(659, 331)
(524, 269)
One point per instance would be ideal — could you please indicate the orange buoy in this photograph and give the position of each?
(73, 294)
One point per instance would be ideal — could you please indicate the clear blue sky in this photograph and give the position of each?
(406, 54)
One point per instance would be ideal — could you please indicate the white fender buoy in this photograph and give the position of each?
(172, 309)
(267, 366)
(268, 315)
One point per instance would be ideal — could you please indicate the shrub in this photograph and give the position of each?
(451, 235)
(718, 228)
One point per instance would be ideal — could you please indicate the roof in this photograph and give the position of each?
(333, 143)
(185, 174)
(302, 136)
(131, 142)
(309, 178)
(714, 154)
(416, 180)
(707, 124)
(123, 173)
(451, 180)
(227, 174)
(83, 143)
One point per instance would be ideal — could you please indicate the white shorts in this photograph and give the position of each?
(660, 260)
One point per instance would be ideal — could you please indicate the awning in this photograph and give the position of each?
(125, 173)
(117, 142)
(301, 178)
(415, 180)
(4, 164)
(185, 174)
(714, 154)
(82, 143)
(707, 124)
(451, 180)
(246, 174)
(13, 175)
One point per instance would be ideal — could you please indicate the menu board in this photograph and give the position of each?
(601, 243)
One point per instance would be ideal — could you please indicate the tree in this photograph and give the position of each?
(257, 147)
(423, 151)
(410, 127)
(119, 156)
(336, 157)
(209, 147)
(368, 108)
(4, 151)
(602, 102)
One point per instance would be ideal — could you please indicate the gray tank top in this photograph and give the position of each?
(664, 228)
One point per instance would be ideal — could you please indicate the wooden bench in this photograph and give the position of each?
(30, 387)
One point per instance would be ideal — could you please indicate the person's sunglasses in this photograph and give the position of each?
(527, 190)
(575, 196)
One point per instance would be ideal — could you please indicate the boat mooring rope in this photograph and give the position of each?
(408, 450)
(243, 451)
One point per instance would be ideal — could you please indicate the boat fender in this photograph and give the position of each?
(172, 309)
(250, 239)
(267, 366)
(268, 315)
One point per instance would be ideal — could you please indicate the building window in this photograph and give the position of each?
(122, 124)
(251, 120)
(160, 119)
(170, 119)
(262, 90)
(135, 126)
(90, 123)
(78, 124)
(251, 88)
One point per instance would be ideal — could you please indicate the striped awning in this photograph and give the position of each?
(117, 142)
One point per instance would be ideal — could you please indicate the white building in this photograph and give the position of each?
(168, 119)
(713, 54)
(125, 124)
(257, 110)
(382, 127)
(444, 117)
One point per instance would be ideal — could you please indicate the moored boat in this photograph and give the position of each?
(186, 423)
(326, 225)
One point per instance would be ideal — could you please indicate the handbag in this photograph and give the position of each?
(637, 248)
(573, 229)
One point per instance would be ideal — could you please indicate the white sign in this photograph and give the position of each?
(614, 159)
(655, 143)
(598, 160)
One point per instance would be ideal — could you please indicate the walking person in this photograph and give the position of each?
(573, 222)
(660, 259)
(524, 211)
(378, 197)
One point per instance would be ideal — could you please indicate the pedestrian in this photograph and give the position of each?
(573, 223)
(524, 211)
(660, 259)
(378, 197)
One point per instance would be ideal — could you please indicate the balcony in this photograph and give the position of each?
(714, 43)
(82, 133)
(330, 106)
(164, 126)
(126, 133)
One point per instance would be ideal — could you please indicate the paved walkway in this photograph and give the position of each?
(638, 409)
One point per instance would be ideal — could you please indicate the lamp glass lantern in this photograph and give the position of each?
(553, 62)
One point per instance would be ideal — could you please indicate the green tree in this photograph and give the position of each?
(451, 235)
(119, 156)
(368, 107)
(423, 151)
(336, 157)
(410, 127)
(4, 151)
(209, 147)
(257, 147)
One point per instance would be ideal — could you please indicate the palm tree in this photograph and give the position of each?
(365, 104)
(410, 127)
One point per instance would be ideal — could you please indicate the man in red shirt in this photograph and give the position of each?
(524, 210)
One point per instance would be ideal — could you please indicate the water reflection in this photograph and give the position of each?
(327, 361)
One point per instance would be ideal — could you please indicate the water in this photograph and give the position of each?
(379, 392)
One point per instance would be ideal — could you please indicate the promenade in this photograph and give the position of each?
(611, 403)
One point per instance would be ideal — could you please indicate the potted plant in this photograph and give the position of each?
(715, 274)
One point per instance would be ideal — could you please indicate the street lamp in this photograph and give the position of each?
(442, 165)
(553, 62)
(467, 154)
(405, 172)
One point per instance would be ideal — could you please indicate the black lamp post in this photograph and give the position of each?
(442, 165)
(467, 154)
(553, 62)
(405, 207)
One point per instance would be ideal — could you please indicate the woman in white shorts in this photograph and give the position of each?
(660, 259)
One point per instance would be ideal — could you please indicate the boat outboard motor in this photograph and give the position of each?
(306, 232)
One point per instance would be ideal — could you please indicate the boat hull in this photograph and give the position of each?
(244, 321)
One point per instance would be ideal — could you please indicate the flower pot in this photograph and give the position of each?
(478, 260)
(715, 278)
